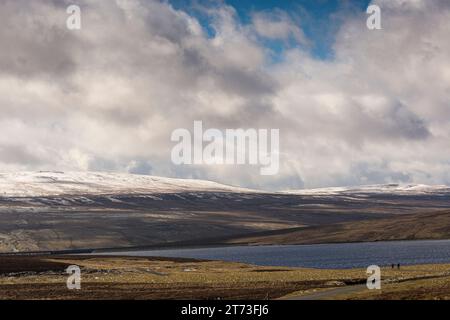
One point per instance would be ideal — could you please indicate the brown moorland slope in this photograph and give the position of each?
(418, 226)
(115, 277)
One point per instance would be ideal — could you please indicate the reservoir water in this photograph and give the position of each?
(339, 256)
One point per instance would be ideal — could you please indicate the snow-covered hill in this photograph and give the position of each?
(397, 189)
(50, 183)
(72, 210)
(35, 184)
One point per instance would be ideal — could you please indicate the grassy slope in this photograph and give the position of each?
(168, 278)
(434, 225)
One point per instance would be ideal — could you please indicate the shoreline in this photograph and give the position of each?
(190, 245)
(183, 246)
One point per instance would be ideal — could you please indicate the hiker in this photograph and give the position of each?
(392, 266)
(398, 266)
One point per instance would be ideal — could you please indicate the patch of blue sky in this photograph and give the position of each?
(320, 20)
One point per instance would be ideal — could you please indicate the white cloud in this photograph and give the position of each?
(277, 25)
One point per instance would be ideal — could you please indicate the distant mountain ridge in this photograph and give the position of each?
(45, 183)
(376, 188)
(78, 210)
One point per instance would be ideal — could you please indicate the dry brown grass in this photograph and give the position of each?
(168, 278)
(417, 226)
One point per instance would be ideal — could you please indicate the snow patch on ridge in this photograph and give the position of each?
(373, 189)
(34, 184)
(41, 184)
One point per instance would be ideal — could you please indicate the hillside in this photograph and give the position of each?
(417, 226)
(59, 211)
(45, 183)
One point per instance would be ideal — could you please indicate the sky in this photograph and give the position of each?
(318, 20)
(354, 106)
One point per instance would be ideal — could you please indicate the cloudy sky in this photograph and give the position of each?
(354, 106)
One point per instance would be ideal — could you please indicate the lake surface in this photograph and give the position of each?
(338, 256)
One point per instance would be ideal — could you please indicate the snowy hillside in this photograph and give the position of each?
(397, 189)
(33, 184)
(73, 210)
